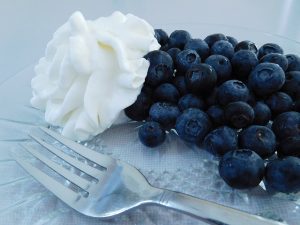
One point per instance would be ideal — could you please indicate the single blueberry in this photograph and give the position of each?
(221, 140)
(292, 84)
(293, 62)
(283, 175)
(192, 125)
(216, 115)
(239, 114)
(279, 102)
(262, 113)
(190, 101)
(201, 78)
(246, 45)
(222, 47)
(166, 92)
(232, 91)
(151, 134)
(221, 65)
(269, 48)
(186, 59)
(139, 110)
(232, 40)
(161, 36)
(289, 147)
(286, 125)
(242, 168)
(178, 39)
(212, 38)
(243, 63)
(200, 46)
(260, 139)
(164, 113)
(173, 53)
(180, 84)
(276, 58)
(266, 78)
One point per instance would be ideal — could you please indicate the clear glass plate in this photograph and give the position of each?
(174, 165)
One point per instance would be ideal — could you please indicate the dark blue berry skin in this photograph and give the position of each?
(221, 65)
(186, 59)
(216, 115)
(179, 82)
(160, 69)
(173, 53)
(190, 101)
(232, 91)
(222, 47)
(212, 38)
(279, 102)
(269, 48)
(164, 113)
(139, 110)
(161, 36)
(239, 114)
(192, 125)
(260, 139)
(243, 63)
(292, 84)
(200, 46)
(211, 97)
(242, 168)
(293, 62)
(232, 40)
(201, 78)
(178, 39)
(286, 125)
(221, 140)
(283, 175)
(266, 78)
(166, 92)
(151, 134)
(289, 147)
(276, 58)
(262, 113)
(246, 45)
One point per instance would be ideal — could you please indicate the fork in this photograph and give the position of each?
(119, 187)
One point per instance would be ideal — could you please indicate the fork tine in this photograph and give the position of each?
(75, 179)
(100, 159)
(72, 161)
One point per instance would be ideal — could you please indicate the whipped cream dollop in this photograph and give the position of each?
(92, 71)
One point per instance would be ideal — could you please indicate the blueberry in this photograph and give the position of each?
(166, 92)
(252, 98)
(284, 174)
(212, 38)
(279, 102)
(222, 47)
(161, 36)
(221, 65)
(186, 59)
(246, 45)
(242, 168)
(179, 38)
(232, 91)
(201, 78)
(160, 69)
(216, 115)
(277, 58)
(190, 101)
(139, 110)
(266, 78)
(262, 113)
(239, 114)
(293, 62)
(232, 40)
(221, 140)
(211, 97)
(243, 63)
(192, 125)
(260, 139)
(289, 147)
(269, 48)
(292, 84)
(151, 134)
(180, 84)
(173, 53)
(286, 125)
(200, 46)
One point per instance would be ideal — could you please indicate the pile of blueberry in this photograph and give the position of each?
(230, 98)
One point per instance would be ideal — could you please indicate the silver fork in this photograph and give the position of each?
(119, 187)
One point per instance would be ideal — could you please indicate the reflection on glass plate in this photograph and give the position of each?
(174, 165)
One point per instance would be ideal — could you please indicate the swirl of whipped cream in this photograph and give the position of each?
(91, 71)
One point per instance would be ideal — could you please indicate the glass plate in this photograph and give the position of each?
(174, 165)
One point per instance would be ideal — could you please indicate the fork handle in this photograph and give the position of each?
(210, 210)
